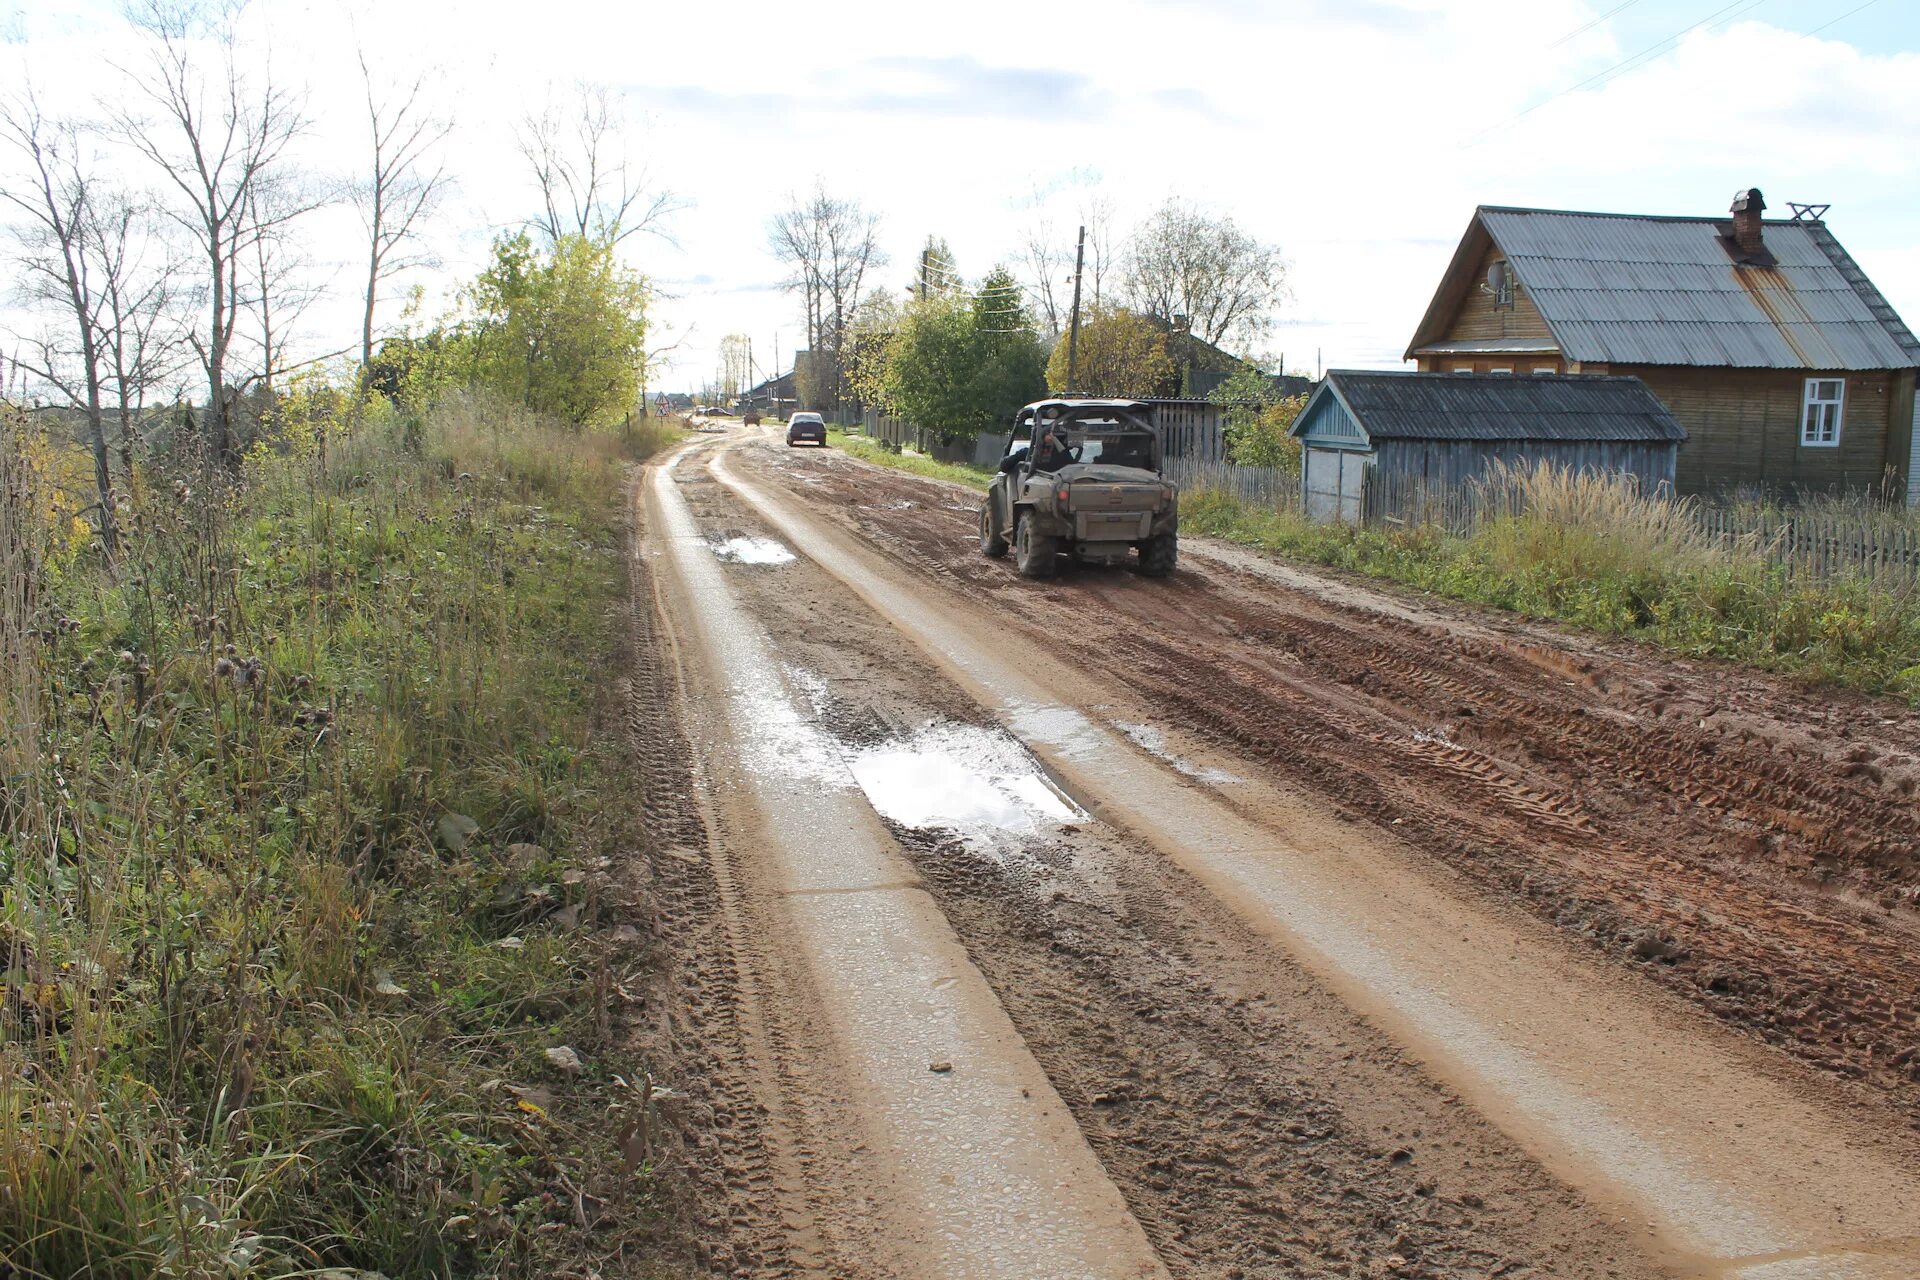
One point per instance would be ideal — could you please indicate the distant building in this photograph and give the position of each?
(775, 397)
(1771, 347)
(1369, 439)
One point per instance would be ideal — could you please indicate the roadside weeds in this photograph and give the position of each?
(316, 936)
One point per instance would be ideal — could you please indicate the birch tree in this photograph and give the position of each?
(403, 182)
(589, 187)
(829, 245)
(218, 138)
(59, 271)
(143, 338)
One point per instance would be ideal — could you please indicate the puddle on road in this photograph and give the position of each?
(1154, 743)
(961, 778)
(751, 551)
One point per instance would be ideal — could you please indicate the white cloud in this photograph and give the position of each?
(1358, 136)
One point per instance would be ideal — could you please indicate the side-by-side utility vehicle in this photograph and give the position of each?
(1082, 478)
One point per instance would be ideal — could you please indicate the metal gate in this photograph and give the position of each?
(1336, 485)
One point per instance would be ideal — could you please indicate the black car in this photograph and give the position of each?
(810, 427)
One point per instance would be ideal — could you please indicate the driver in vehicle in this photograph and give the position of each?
(1053, 454)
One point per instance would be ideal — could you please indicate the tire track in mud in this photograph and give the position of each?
(1254, 1125)
(745, 1140)
(1764, 872)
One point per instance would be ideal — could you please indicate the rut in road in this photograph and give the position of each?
(1752, 847)
(1253, 1123)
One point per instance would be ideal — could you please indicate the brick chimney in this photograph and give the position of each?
(1747, 207)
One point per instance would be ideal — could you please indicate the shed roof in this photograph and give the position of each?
(1485, 406)
(1629, 289)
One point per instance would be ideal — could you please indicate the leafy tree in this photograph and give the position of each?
(562, 332)
(962, 364)
(1121, 353)
(869, 339)
(1257, 420)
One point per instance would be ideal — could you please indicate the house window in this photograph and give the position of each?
(1543, 369)
(1820, 412)
(1463, 368)
(1505, 371)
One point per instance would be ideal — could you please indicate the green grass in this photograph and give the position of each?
(873, 451)
(1605, 564)
(311, 818)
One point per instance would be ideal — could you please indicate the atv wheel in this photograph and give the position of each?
(1035, 555)
(992, 545)
(1158, 555)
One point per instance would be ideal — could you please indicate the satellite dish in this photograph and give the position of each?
(1496, 276)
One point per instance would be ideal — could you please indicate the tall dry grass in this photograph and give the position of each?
(276, 792)
(1596, 552)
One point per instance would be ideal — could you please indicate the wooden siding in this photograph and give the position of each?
(1478, 318)
(1480, 362)
(1743, 428)
(1903, 432)
(1452, 462)
(1332, 427)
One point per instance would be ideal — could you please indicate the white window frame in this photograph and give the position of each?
(1544, 370)
(1822, 431)
(1463, 368)
(1508, 372)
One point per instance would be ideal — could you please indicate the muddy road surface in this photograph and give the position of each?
(1251, 924)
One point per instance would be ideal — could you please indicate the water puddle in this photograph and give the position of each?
(1154, 743)
(751, 551)
(811, 687)
(962, 778)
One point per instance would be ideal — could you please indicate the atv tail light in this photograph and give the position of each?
(1062, 494)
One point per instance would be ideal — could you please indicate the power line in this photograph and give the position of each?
(1843, 17)
(1625, 64)
(1580, 31)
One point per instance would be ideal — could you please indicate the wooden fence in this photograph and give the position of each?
(1821, 541)
(1259, 486)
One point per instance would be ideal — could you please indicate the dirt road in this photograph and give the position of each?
(1355, 937)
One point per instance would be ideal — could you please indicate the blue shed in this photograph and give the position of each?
(1390, 432)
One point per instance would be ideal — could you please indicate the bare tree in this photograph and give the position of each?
(143, 337)
(1183, 263)
(402, 187)
(797, 240)
(277, 286)
(1049, 272)
(219, 139)
(1096, 215)
(59, 270)
(736, 364)
(1048, 257)
(830, 245)
(588, 186)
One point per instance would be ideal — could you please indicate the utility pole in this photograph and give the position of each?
(1073, 329)
(926, 262)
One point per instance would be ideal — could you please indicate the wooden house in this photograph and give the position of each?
(1784, 363)
(1371, 439)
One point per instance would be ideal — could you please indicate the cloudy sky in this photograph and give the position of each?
(1355, 134)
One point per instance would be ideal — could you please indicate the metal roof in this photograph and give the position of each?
(1486, 406)
(1621, 289)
